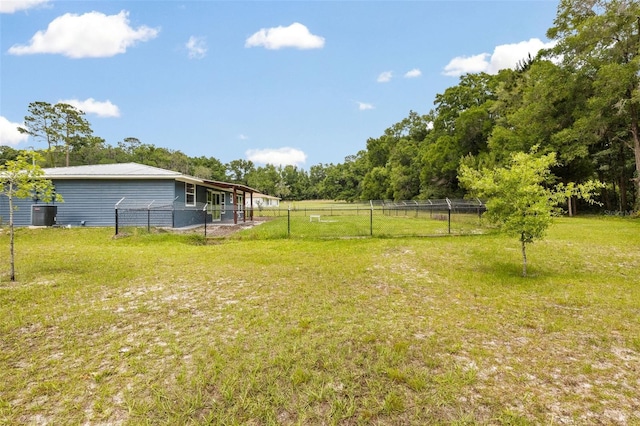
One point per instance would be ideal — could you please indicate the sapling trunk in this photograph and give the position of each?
(524, 257)
(12, 271)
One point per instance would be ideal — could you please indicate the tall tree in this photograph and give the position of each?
(55, 124)
(42, 124)
(23, 178)
(71, 126)
(462, 122)
(601, 39)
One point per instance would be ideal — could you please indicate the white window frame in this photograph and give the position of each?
(240, 202)
(188, 193)
(222, 201)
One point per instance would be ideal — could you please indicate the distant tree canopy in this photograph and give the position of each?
(579, 100)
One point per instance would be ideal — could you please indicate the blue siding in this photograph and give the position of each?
(92, 202)
(191, 215)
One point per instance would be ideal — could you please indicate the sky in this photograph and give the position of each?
(273, 82)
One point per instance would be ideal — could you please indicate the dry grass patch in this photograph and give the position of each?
(158, 329)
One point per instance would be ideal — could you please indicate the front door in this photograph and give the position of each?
(214, 204)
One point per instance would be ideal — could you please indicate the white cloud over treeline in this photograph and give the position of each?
(503, 56)
(91, 106)
(278, 157)
(91, 35)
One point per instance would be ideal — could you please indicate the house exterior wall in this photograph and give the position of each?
(92, 202)
(194, 215)
(263, 202)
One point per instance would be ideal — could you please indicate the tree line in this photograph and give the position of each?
(579, 100)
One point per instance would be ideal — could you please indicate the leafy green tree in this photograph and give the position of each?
(216, 170)
(7, 153)
(600, 39)
(462, 123)
(404, 176)
(375, 185)
(392, 166)
(343, 181)
(264, 179)
(22, 178)
(520, 198)
(317, 175)
(90, 150)
(296, 180)
(544, 105)
(239, 170)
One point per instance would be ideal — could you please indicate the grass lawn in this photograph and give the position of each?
(173, 329)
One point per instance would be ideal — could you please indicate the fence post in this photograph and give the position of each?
(204, 211)
(289, 222)
(449, 203)
(117, 204)
(371, 222)
(148, 219)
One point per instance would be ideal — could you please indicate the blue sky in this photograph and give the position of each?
(280, 82)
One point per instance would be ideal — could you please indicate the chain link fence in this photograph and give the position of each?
(378, 218)
(132, 215)
(375, 218)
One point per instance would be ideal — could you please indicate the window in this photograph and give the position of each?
(190, 194)
(240, 202)
(222, 207)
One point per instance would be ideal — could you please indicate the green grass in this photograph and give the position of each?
(352, 223)
(161, 328)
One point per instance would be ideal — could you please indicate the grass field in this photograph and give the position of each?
(176, 329)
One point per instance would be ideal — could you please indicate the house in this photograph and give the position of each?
(263, 201)
(93, 194)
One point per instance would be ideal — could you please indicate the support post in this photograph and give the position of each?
(117, 204)
(371, 222)
(449, 220)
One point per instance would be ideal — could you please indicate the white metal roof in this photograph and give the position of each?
(133, 171)
(122, 170)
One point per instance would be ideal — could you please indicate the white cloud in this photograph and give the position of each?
(503, 56)
(243, 137)
(197, 47)
(363, 106)
(295, 35)
(385, 77)
(463, 65)
(9, 134)
(278, 157)
(92, 35)
(12, 6)
(508, 55)
(413, 73)
(91, 106)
